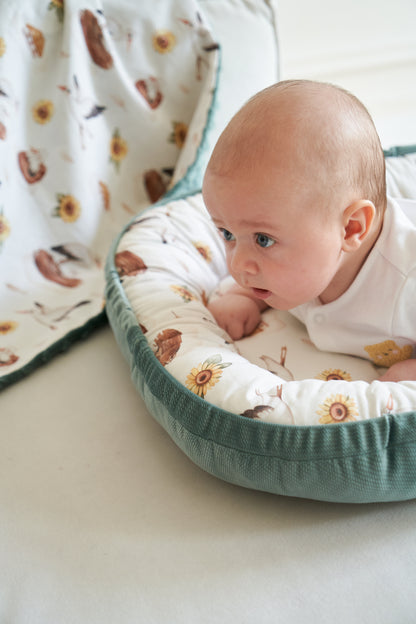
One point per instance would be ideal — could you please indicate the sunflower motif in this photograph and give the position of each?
(206, 375)
(35, 39)
(2, 46)
(42, 111)
(337, 408)
(7, 326)
(118, 148)
(203, 249)
(178, 134)
(331, 374)
(68, 208)
(4, 227)
(183, 292)
(163, 41)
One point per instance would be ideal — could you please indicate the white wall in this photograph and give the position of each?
(366, 46)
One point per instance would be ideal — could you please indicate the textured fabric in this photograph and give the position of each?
(102, 108)
(170, 260)
(254, 427)
(373, 460)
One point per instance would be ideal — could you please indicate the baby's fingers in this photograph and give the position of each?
(236, 328)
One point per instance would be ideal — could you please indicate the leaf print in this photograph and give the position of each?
(105, 194)
(150, 90)
(155, 184)
(31, 165)
(95, 40)
(51, 270)
(35, 39)
(254, 413)
(336, 409)
(204, 376)
(128, 264)
(168, 343)
(7, 357)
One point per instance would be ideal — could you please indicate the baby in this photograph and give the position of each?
(296, 186)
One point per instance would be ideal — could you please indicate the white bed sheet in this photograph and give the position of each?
(103, 519)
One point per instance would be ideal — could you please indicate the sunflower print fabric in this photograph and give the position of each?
(206, 375)
(171, 262)
(337, 408)
(93, 128)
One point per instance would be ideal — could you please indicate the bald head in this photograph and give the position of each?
(324, 132)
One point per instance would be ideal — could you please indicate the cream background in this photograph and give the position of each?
(103, 519)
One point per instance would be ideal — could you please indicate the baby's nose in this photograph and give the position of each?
(241, 263)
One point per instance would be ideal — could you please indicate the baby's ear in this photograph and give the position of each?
(358, 219)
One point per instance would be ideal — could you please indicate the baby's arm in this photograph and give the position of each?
(401, 371)
(237, 312)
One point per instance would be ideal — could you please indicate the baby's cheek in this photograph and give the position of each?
(229, 264)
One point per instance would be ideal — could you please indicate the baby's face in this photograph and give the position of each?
(280, 242)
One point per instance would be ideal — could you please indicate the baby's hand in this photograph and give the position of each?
(238, 314)
(401, 371)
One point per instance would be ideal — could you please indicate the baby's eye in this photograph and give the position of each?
(226, 235)
(264, 241)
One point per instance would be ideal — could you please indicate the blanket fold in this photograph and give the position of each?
(103, 105)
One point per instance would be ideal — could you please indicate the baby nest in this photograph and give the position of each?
(269, 412)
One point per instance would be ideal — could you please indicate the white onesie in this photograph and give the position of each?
(376, 317)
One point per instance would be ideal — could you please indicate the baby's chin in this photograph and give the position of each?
(278, 303)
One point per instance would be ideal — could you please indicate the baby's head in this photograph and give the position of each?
(323, 131)
(300, 158)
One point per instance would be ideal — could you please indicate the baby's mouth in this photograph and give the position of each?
(260, 293)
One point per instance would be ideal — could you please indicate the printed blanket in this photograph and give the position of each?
(103, 104)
